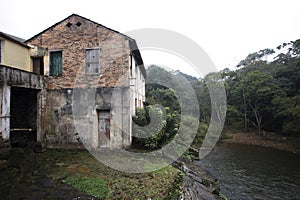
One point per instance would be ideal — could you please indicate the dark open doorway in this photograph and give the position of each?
(38, 65)
(23, 116)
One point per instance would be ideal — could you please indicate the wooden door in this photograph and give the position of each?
(103, 128)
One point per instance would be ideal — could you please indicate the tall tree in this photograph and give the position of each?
(256, 90)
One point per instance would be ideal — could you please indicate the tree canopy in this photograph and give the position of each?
(263, 94)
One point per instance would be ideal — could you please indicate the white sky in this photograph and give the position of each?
(227, 30)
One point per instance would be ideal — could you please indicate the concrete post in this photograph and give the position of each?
(5, 118)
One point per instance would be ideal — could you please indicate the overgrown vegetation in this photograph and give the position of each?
(263, 94)
(152, 136)
(121, 185)
(78, 168)
(158, 123)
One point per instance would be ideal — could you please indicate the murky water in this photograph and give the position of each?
(250, 172)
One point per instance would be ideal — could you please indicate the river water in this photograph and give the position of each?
(251, 172)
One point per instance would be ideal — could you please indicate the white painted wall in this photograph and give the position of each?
(137, 85)
(15, 55)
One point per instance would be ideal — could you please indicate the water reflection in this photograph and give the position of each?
(250, 172)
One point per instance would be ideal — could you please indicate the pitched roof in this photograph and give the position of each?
(132, 43)
(83, 19)
(14, 39)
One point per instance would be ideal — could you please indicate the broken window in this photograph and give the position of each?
(92, 61)
(55, 63)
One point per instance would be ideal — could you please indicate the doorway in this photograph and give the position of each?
(103, 128)
(23, 116)
(38, 65)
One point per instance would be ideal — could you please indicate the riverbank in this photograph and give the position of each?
(290, 144)
(197, 183)
(76, 174)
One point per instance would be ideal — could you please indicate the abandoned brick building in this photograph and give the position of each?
(83, 84)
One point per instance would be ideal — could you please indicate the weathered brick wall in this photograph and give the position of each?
(73, 41)
(63, 120)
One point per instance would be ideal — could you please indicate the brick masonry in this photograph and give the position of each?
(65, 121)
(73, 41)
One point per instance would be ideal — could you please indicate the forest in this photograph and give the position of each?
(262, 95)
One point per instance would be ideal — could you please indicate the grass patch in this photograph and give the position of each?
(93, 186)
(80, 169)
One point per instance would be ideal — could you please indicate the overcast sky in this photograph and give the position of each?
(227, 30)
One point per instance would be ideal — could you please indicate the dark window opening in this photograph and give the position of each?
(38, 65)
(92, 61)
(131, 65)
(55, 63)
(69, 24)
(78, 24)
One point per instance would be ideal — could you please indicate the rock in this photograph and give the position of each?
(196, 185)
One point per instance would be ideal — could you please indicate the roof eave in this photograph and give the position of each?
(13, 40)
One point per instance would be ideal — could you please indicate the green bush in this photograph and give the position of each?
(149, 127)
(202, 130)
(153, 128)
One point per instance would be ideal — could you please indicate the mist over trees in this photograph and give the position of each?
(263, 95)
(264, 92)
